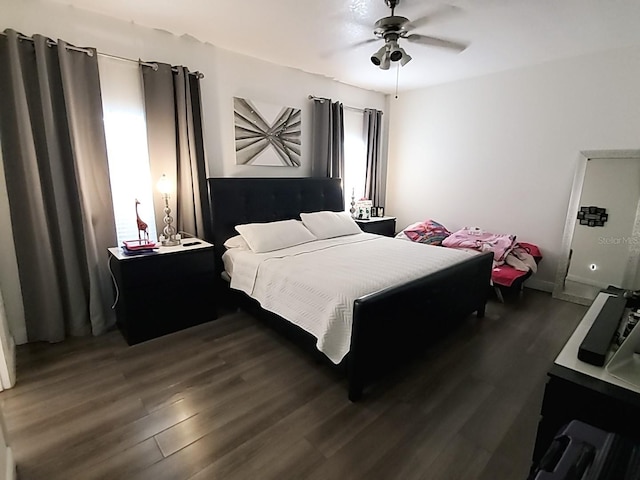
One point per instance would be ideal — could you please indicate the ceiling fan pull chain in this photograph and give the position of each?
(397, 77)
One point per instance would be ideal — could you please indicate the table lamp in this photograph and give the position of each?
(168, 237)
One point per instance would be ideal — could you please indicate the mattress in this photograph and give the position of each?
(314, 285)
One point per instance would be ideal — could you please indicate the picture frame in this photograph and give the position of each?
(267, 135)
(593, 216)
(363, 210)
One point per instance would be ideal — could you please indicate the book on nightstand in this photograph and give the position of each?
(138, 247)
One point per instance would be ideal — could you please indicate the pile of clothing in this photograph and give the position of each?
(519, 256)
(513, 261)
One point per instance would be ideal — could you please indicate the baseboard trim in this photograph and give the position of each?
(542, 285)
(10, 473)
(585, 281)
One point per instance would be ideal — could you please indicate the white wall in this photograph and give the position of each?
(247, 77)
(500, 151)
(226, 75)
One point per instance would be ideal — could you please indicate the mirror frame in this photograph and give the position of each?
(572, 214)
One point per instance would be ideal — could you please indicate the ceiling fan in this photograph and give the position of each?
(393, 28)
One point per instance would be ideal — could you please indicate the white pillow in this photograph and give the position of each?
(236, 242)
(266, 237)
(330, 224)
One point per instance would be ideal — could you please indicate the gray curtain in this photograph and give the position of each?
(174, 129)
(56, 171)
(327, 155)
(374, 187)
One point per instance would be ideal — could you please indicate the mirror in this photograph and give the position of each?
(601, 241)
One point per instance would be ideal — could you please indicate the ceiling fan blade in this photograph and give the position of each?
(441, 13)
(363, 42)
(436, 42)
(352, 46)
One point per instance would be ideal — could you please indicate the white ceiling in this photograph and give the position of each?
(315, 35)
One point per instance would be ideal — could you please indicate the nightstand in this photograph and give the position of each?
(163, 292)
(380, 225)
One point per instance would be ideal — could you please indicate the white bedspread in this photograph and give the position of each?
(314, 285)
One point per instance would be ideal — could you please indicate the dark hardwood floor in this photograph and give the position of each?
(231, 399)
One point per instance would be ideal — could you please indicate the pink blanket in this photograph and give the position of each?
(499, 244)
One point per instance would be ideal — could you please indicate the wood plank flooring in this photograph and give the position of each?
(231, 399)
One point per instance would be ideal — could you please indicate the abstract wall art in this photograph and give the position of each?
(265, 134)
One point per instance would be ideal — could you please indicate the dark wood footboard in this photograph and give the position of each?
(398, 320)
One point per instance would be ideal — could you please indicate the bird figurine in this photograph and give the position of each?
(142, 226)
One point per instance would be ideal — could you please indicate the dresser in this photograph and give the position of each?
(164, 291)
(577, 390)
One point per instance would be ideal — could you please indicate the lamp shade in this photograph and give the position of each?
(165, 186)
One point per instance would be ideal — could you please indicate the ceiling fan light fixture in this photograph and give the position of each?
(377, 57)
(393, 28)
(406, 58)
(395, 52)
(386, 62)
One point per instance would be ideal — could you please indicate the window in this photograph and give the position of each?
(126, 135)
(355, 157)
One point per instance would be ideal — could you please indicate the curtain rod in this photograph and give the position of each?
(355, 109)
(89, 52)
(146, 64)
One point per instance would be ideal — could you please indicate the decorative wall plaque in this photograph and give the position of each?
(593, 216)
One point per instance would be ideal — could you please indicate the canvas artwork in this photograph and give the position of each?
(266, 134)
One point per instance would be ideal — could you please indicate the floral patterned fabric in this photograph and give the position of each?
(429, 232)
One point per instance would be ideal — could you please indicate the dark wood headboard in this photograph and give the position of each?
(237, 200)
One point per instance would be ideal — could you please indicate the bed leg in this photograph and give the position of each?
(355, 391)
(499, 294)
(480, 312)
(354, 380)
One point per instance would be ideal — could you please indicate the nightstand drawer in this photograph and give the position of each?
(155, 268)
(144, 313)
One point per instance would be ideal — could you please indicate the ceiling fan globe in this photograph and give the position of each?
(394, 52)
(406, 58)
(377, 57)
(386, 62)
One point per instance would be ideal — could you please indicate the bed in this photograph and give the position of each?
(387, 324)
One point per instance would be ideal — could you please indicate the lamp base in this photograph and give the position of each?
(170, 242)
